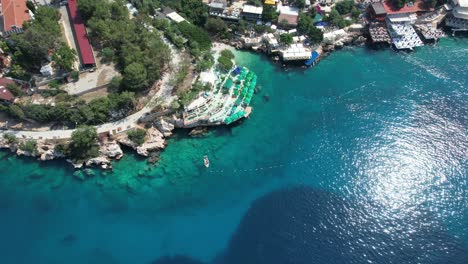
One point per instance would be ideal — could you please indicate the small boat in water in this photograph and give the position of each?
(206, 161)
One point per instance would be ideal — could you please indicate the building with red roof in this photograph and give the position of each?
(411, 7)
(6, 96)
(14, 13)
(85, 50)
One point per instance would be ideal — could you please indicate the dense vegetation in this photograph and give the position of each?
(137, 136)
(306, 26)
(41, 35)
(197, 37)
(140, 54)
(286, 39)
(100, 110)
(269, 13)
(225, 60)
(83, 143)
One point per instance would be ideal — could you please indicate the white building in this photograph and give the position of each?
(459, 18)
(296, 52)
(460, 9)
(250, 12)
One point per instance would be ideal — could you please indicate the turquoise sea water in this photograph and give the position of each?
(385, 130)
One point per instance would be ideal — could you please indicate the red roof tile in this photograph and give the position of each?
(5, 81)
(418, 6)
(5, 94)
(14, 13)
(86, 52)
(292, 19)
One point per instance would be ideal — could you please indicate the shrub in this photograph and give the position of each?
(224, 64)
(28, 146)
(137, 136)
(227, 53)
(75, 75)
(15, 89)
(10, 138)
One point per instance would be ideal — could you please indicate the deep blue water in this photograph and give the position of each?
(362, 159)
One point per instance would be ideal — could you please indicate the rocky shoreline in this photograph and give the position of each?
(109, 147)
(160, 129)
(355, 38)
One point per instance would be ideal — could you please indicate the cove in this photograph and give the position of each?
(385, 130)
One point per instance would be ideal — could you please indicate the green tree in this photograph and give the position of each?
(17, 71)
(107, 54)
(205, 62)
(215, 25)
(286, 38)
(137, 136)
(41, 35)
(135, 76)
(306, 26)
(83, 143)
(15, 89)
(315, 35)
(344, 7)
(64, 57)
(195, 35)
(269, 13)
(115, 83)
(16, 111)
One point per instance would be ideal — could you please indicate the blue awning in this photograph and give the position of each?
(312, 59)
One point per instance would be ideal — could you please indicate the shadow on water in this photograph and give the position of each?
(306, 225)
(176, 260)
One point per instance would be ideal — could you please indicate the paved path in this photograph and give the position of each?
(164, 93)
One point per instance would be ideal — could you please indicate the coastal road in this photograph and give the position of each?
(164, 94)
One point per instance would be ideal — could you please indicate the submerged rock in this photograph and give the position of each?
(68, 239)
(79, 175)
(198, 131)
(103, 162)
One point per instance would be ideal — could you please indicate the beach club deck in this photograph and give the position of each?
(226, 103)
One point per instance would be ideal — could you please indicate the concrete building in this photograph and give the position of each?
(460, 9)
(289, 16)
(377, 11)
(459, 18)
(253, 13)
(296, 52)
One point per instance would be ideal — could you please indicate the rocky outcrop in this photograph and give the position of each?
(198, 131)
(103, 162)
(155, 141)
(164, 127)
(111, 150)
(47, 151)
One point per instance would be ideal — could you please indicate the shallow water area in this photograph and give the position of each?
(384, 132)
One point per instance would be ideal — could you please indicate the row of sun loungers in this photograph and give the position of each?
(404, 36)
(379, 33)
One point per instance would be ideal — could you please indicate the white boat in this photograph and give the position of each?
(206, 161)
